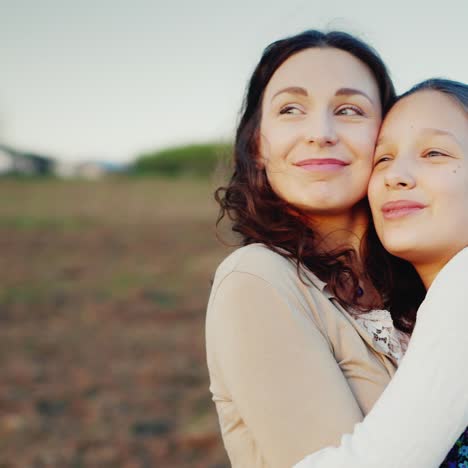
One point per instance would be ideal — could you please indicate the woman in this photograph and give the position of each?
(419, 194)
(291, 369)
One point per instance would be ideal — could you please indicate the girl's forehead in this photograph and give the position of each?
(426, 110)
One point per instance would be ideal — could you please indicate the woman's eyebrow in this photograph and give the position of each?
(292, 90)
(340, 92)
(351, 92)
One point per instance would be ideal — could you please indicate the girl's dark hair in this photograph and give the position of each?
(248, 200)
(454, 89)
(396, 279)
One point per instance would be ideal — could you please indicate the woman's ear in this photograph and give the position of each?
(259, 162)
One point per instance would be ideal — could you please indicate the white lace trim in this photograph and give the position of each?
(379, 324)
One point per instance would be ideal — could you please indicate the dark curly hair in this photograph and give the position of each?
(256, 212)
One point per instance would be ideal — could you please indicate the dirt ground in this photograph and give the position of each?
(102, 300)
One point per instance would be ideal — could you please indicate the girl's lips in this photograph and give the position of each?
(321, 164)
(401, 208)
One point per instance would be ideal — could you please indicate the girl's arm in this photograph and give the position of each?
(424, 409)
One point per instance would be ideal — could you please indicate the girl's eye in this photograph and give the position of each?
(292, 110)
(434, 154)
(381, 159)
(349, 111)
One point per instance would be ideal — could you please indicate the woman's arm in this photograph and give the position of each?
(425, 407)
(281, 374)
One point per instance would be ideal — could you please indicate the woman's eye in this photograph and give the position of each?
(292, 110)
(349, 111)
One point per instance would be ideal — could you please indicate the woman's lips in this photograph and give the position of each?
(321, 164)
(401, 208)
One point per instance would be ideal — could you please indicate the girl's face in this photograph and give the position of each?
(419, 187)
(321, 113)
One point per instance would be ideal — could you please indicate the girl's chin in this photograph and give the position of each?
(407, 249)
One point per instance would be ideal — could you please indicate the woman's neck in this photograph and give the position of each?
(346, 231)
(341, 230)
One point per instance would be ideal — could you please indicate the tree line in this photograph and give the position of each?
(200, 160)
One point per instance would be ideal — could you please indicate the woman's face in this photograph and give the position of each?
(321, 113)
(419, 187)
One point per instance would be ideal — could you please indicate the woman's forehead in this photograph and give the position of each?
(320, 70)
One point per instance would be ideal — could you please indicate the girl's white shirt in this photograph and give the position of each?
(424, 409)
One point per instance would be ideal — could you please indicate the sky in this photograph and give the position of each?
(112, 79)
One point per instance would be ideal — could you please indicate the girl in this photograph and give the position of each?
(419, 196)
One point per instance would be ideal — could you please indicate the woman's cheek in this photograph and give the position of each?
(363, 143)
(373, 191)
(370, 141)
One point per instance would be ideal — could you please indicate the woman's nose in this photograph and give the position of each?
(324, 140)
(321, 131)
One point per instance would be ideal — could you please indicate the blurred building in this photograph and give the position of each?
(14, 162)
(94, 170)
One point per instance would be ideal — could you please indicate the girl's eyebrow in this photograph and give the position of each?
(380, 141)
(438, 131)
(427, 130)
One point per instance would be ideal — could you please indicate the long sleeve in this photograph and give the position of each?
(281, 374)
(424, 409)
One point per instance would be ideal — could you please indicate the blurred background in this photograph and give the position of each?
(113, 118)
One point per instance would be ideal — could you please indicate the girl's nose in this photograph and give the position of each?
(399, 177)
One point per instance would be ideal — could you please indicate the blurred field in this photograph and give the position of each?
(102, 300)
